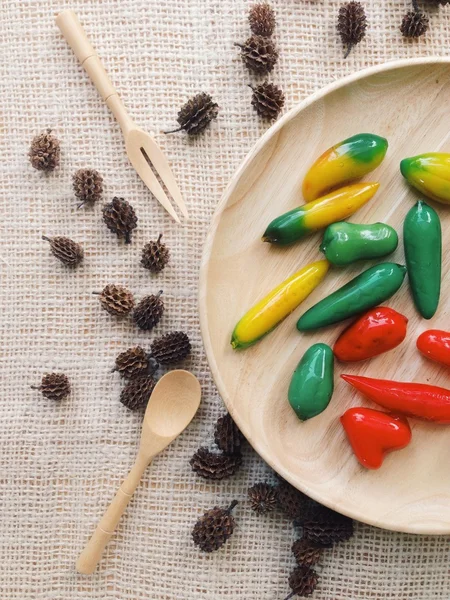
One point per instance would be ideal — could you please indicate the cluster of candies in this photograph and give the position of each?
(331, 196)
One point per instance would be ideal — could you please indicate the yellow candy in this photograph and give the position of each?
(430, 174)
(278, 304)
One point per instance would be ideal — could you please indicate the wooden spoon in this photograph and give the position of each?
(171, 408)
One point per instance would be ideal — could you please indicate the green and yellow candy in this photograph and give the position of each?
(318, 214)
(343, 163)
(430, 174)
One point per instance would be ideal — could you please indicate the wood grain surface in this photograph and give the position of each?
(408, 103)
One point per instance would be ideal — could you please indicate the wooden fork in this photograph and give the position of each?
(142, 149)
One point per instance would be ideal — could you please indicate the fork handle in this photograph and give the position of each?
(71, 28)
(93, 551)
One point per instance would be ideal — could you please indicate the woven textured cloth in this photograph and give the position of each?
(60, 464)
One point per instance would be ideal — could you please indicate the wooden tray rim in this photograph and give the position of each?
(207, 253)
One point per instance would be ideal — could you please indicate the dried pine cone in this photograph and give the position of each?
(120, 218)
(87, 185)
(132, 363)
(45, 152)
(149, 311)
(66, 250)
(171, 348)
(214, 528)
(352, 24)
(259, 54)
(137, 392)
(54, 386)
(414, 24)
(306, 553)
(267, 100)
(227, 435)
(195, 116)
(155, 256)
(302, 581)
(326, 527)
(215, 465)
(293, 502)
(263, 497)
(262, 19)
(116, 300)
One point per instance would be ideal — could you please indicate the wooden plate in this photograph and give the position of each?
(407, 102)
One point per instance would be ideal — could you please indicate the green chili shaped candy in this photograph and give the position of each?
(312, 383)
(423, 252)
(371, 287)
(344, 243)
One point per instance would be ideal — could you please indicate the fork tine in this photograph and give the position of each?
(145, 172)
(162, 167)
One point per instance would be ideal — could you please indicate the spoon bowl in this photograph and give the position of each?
(170, 409)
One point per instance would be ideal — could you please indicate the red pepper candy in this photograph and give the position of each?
(372, 434)
(375, 332)
(435, 345)
(420, 400)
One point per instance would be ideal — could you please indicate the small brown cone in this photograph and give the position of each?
(67, 251)
(136, 393)
(45, 152)
(263, 498)
(326, 527)
(352, 24)
(261, 18)
(259, 54)
(215, 465)
(306, 553)
(149, 311)
(120, 218)
(155, 256)
(87, 186)
(302, 581)
(214, 528)
(171, 348)
(132, 363)
(54, 386)
(414, 24)
(293, 502)
(227, 435)
(195, 116)
(116, 300)
(267, 100)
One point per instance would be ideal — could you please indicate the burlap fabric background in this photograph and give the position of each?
(61, 464)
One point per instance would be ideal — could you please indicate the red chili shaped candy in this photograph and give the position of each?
(420, 400)
(375, 332)
(435, 345)
(372, 434)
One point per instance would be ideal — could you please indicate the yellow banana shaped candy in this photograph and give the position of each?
(278, 304)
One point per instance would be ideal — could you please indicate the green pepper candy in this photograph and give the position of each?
(344, 243)
(312, 383)
(423, 252)
(371, 287)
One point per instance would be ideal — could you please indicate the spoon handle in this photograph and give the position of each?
(92, 553)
